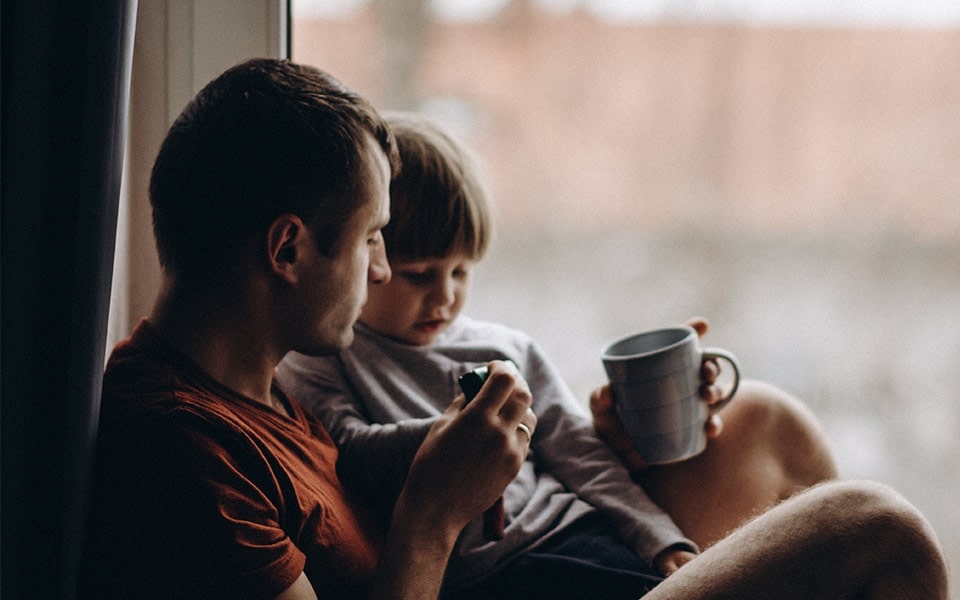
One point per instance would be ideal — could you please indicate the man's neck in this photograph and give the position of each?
(227, 337)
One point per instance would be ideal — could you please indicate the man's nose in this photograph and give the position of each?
(379, 271)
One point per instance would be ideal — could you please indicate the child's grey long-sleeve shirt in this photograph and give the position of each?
(379, 397)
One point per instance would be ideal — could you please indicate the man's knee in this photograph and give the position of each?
(762, 409)
(786, 429)
(770, 404)
(874, 511)
(887, 531)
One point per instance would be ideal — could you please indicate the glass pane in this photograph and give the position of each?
(791, 173)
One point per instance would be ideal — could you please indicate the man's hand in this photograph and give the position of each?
(610, 429)
(468, 457)
(607, 424)
(708, 377)
(473, 451)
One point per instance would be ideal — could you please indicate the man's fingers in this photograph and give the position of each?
(600, 400)
(700, 325)
(714, 426)
(504, 392)
(709, 371)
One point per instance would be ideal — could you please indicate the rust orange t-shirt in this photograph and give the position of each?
(200, 492)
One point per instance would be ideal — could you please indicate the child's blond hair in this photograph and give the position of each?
(438, 203)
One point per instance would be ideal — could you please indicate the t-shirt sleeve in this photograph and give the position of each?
(197, 512)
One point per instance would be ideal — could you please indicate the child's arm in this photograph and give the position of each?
(567, 447)
(374, 458)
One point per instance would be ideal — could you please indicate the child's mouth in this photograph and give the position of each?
(430, 326)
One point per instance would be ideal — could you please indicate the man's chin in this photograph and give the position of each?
(328, 347)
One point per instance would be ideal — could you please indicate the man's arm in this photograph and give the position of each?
(462, 467)
(414, 557)
(299, 590)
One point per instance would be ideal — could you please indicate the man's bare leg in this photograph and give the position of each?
(838, 540)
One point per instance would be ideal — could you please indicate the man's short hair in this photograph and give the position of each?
(265, 138)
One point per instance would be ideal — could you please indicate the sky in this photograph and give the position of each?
(910, 13)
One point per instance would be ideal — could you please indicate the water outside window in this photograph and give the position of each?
(791, 175)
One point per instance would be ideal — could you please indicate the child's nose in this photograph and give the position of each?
(444, 292)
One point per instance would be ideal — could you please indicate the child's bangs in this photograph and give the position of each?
(439, 205)
(438, 227)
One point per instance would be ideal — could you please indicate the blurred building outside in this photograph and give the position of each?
(798, 186)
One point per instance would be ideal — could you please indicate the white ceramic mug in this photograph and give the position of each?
(655, 386)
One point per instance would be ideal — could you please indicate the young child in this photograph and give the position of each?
(575, 521)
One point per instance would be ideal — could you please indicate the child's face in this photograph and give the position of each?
(421, 299)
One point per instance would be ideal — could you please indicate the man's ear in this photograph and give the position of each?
(285, 239)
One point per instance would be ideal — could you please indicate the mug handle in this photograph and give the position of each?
(709, 353)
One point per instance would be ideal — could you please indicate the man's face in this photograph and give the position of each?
(336, 290)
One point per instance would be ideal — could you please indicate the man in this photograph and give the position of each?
(269, 194)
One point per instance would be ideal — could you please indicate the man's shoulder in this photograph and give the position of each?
(147, 387)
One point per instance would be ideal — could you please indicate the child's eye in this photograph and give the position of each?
(460, 273)
(417, 277)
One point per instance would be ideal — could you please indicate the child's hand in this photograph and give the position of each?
(669, 561)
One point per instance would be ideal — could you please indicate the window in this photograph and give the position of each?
(791, 176)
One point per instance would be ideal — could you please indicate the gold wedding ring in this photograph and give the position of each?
(526, 430)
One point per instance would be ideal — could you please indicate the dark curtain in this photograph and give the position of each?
(66, 71)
